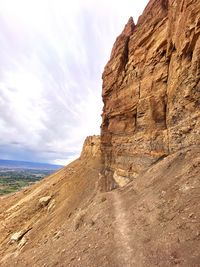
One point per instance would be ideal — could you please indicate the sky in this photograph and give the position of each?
(53, 53)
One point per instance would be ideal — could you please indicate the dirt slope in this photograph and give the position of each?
(153, 221)
(65, 191)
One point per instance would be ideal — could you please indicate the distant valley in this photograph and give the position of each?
(15, 175)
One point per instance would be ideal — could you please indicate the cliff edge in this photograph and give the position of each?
(151, 90)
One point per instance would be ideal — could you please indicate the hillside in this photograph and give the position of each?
(132, 198)
(48, 210)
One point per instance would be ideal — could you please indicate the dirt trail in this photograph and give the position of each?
(122, 231)
(153, 221)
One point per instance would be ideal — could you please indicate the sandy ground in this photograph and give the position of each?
(153, 221)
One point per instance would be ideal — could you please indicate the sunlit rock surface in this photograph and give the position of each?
(151, 89)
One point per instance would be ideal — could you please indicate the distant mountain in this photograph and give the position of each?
(28, 165)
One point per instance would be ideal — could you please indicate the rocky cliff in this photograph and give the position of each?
(151, 90)
(91, 147)
(149, 148)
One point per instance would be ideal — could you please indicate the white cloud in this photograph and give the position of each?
(54, 52)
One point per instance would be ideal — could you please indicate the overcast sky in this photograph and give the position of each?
(52, 57)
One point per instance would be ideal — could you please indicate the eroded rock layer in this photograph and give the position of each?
(91, 147)
(151, 90)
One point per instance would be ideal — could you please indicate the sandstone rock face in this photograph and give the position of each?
(151, 89)
(91, 147)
